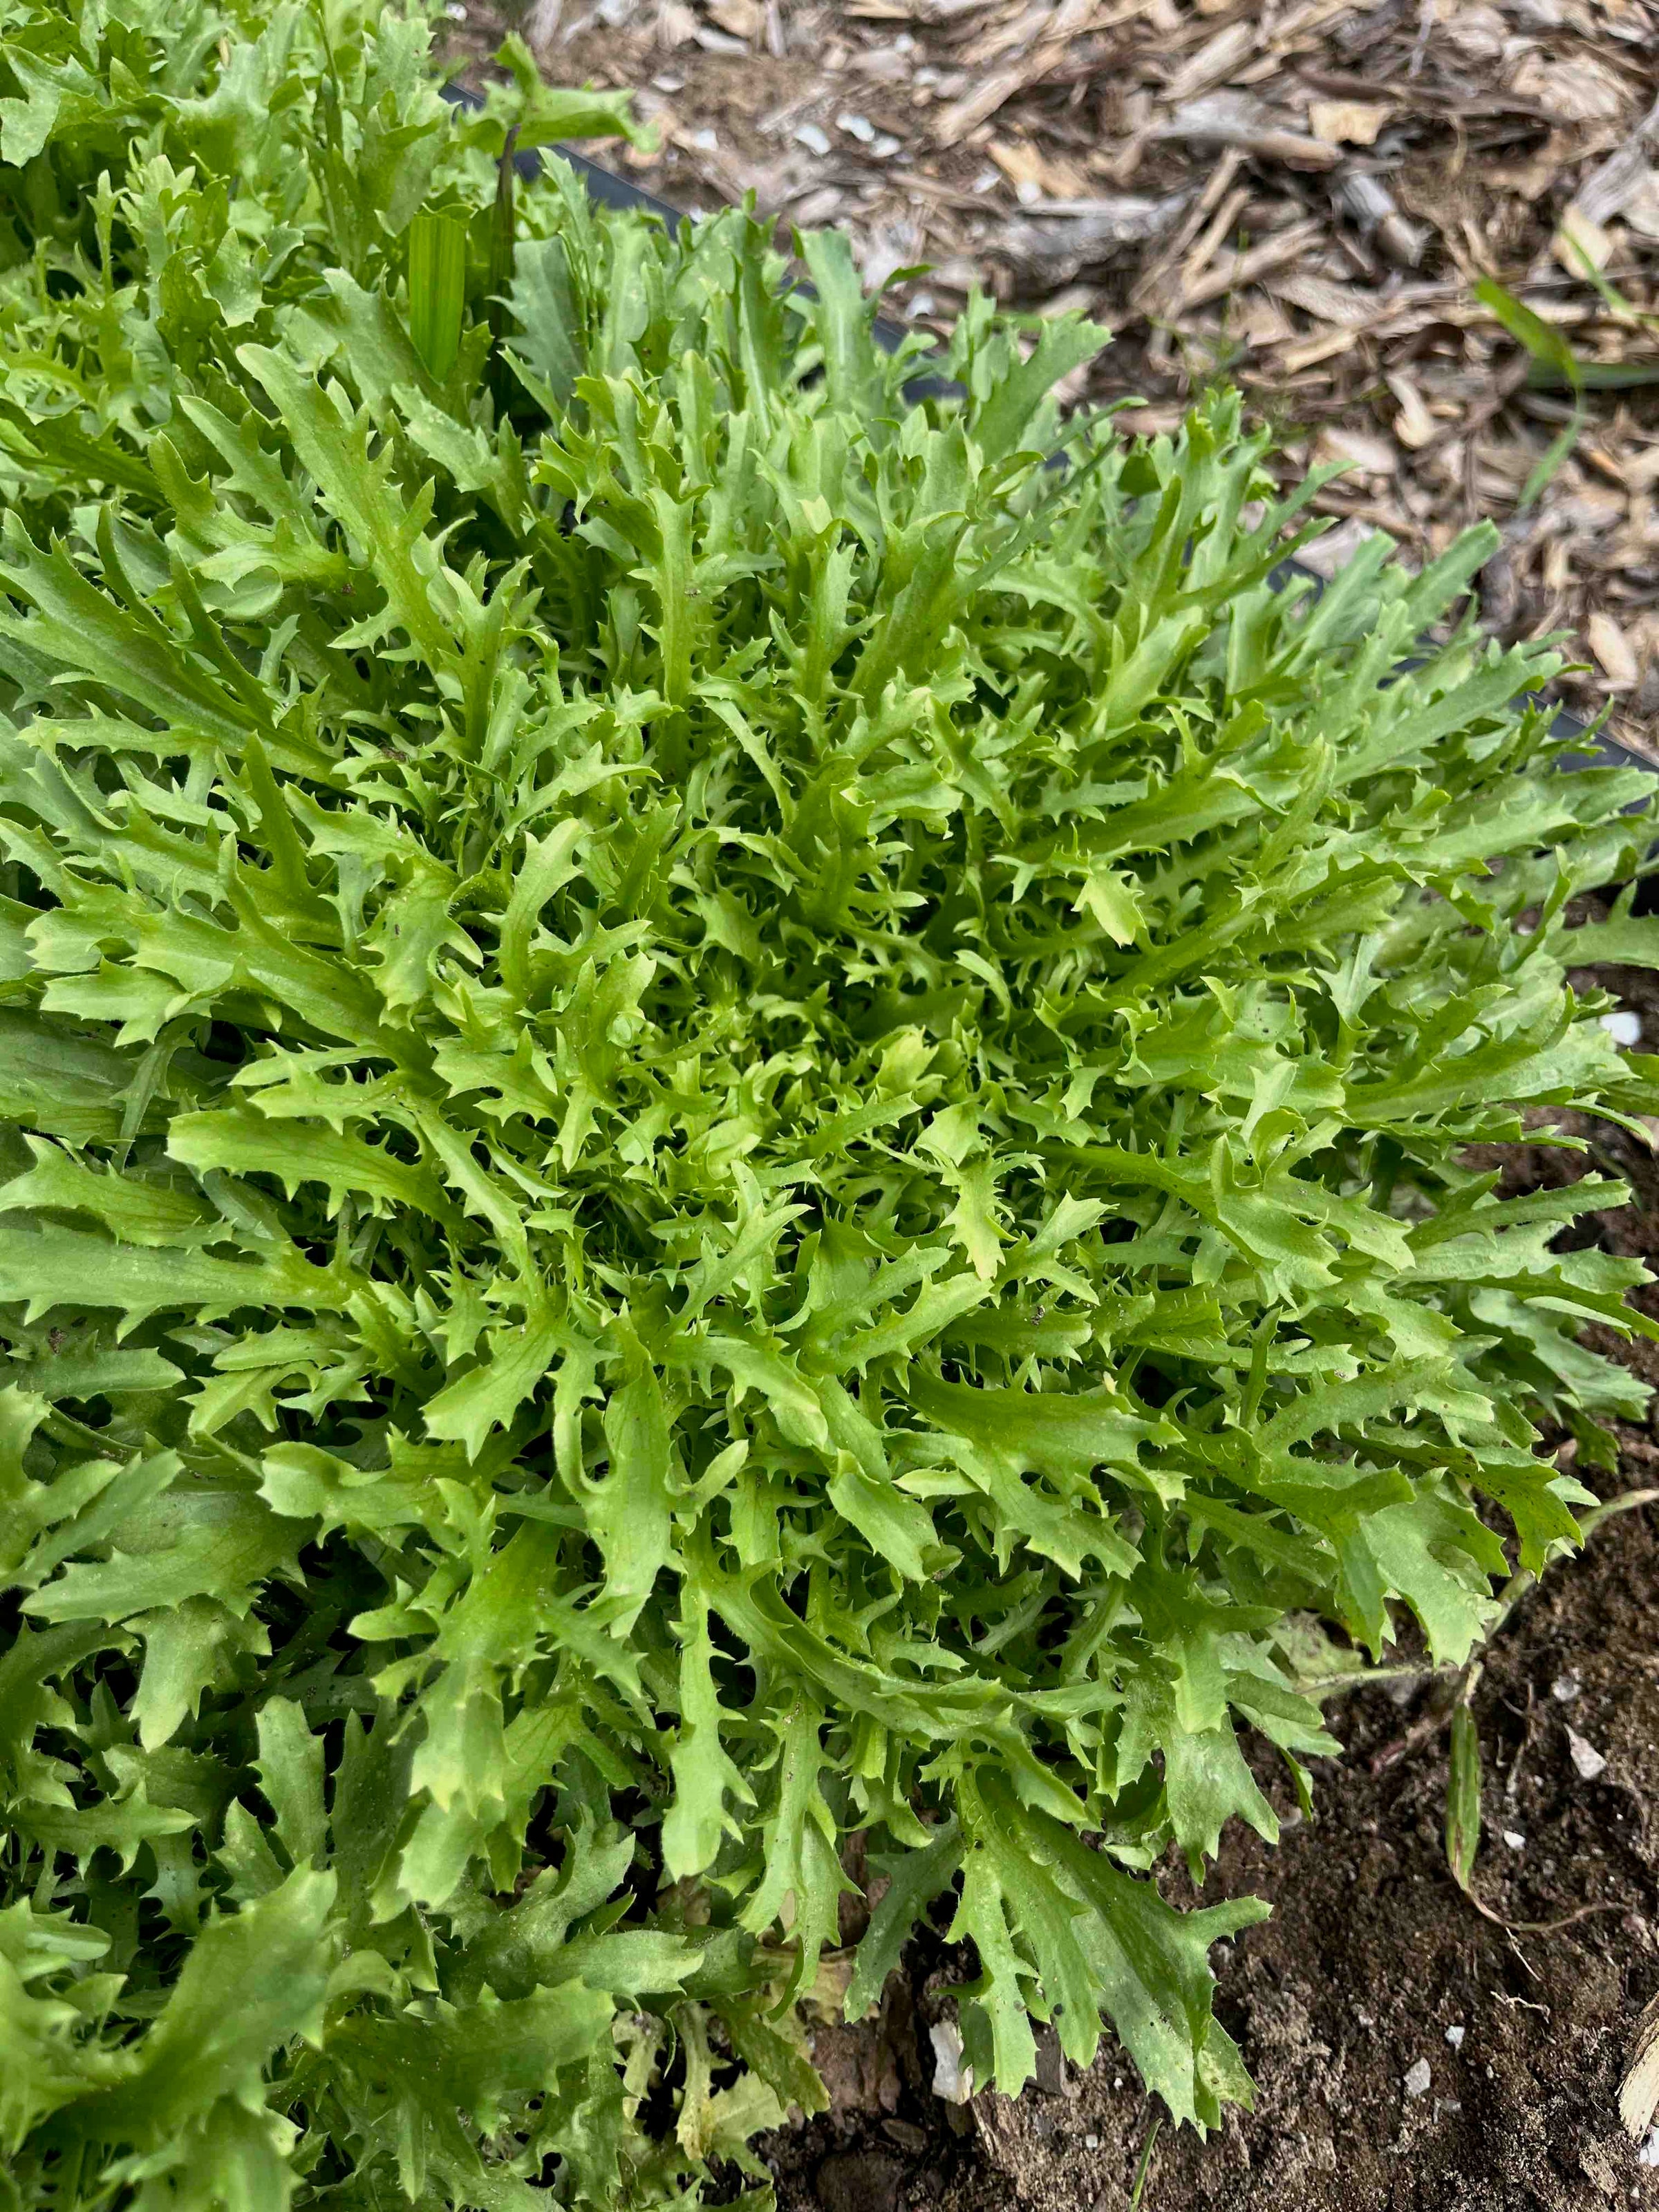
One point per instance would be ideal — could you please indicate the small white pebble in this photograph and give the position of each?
(985, 181)
(706, 142)
(1417, 2078)
(922, 304)
(1117, 2081)
(1625, 1027)
(1566, 1687)
(1092, 2142)
(1455, 2033)
(884, 146)
(815, 141)
(1515, 1839)
(857, 126)
(1587, 1762)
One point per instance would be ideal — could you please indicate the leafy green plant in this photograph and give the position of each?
(727, 1118)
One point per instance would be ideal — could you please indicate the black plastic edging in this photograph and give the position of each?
(609, 189)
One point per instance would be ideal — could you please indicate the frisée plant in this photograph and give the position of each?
(725, 1119)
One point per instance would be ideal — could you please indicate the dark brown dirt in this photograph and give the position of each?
(1373, 1962)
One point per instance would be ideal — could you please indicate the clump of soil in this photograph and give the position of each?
(1409, 2055)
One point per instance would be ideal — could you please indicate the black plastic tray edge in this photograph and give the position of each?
(609, 189)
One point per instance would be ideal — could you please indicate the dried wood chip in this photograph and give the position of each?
(1311, 16)
(1063, 238)
(1035, 175)
(1149, 284)
(541, 23)
(1588, 511)
(1234, 270)
(1333, 552)
(1311, 351)
(1413, 425)
(1613, 184)
(676, 25)
(825, 205)
(1064, 23)
(1070, 298)
(1362, 449)
(1479, 33)
(1368, 203)
(1579, 243)
(744, 19)
(1642, 209)
(1318, 296)
(887, 64)
(1232, 119)
(977, 106)
(1214, 231)
(1213, 64)
(1572, 88)
(1414, 95)
(1014, 32)
(1611, 648)
(1346, 122)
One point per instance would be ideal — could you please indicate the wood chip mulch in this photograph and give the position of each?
(1301, 198)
